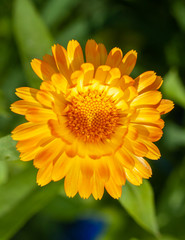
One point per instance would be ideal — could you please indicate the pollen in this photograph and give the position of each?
(92, 116)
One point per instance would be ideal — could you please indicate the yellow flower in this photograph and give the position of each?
(90, 122)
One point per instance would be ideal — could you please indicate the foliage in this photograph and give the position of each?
(28, 29)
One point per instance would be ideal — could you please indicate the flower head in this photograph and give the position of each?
(90, 122)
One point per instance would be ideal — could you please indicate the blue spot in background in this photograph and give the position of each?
(82, 229)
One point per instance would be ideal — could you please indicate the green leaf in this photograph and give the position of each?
(15, 190)
(172, 202)
(3, 110)
(3, 172)
(78, 30)
(139, 203)
(32, 36)
(167, 237)
(26, 208)
(56, 11)
(178, 10)
(7, 149)
(175, 136)
(173, 87)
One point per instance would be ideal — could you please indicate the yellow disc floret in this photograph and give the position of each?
(92, 116)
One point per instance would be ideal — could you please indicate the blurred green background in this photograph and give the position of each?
(156, 30)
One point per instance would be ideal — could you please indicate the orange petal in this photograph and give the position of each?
(61, 167)
(146, 115)
(29, 154)
(49, 152)
(113, 76)
(135, 147)
(26, 145)
(125, 82)
(142, 168)
(128, 63)
(122, 105)
(115, 140)
(117, 171)
(132, 177)
(113, 189)
(103, 53)
(132, 133)
(88, 73)
(28, 130)
(75, 76)
(97, 186)
(116, 93)
(153, 151)
(151, 133)
(99, 150)
(39, 115)
(80, 83)
(59, 104)
(51, 61)
(130, 93)
(159, 123)
(26, 93)
(48, 86)
(60, 82)
(60, 132)
(147, 98)
(165, 106)
(114, 58)
(92, 53)
(75, 54)
(71, 183)
(87, 167)
(85, 186)
(102, 73)
(125, 158)
(44, 174)
(155, 85)
(71, 149)
(62, 62)
(102, 169)
(45, 98)
(145, 80)
(22, 106)
(42, 69)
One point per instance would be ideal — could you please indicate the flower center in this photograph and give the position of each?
(92, 116)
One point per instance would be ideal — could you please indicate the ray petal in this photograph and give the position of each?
(62, 62)
(92, 53)
(75, 54)
(42, 69)
(44, 174)
(128, 62)
(114, 58)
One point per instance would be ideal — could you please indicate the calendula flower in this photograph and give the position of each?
(90, 122)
